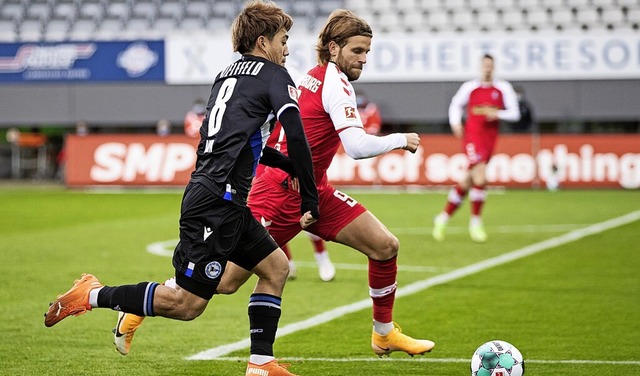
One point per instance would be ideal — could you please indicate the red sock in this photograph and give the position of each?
(318, 245)
(477, 196)
(382, 288)
(454, 200)
(285, 248)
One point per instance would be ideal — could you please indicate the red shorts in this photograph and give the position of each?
(478, 148)
(278, 208)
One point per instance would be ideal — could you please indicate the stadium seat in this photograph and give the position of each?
(513, 19)
(188, 24)
(587, 17)
(613, 16)
(65, 9)
(562, 17)
(439, 20)
(118, 9)
(56, 30)
(91, 9)
(537, 19)
(8, 32)
(30, 31)
(171, 9)
(13, 11)
(200, 9)
(146, 9)
(82, 29)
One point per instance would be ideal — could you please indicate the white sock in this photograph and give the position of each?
(93, 297)
(382, 328)
(443, 217)
(260, 359)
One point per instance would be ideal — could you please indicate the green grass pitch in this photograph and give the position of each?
(572, 307)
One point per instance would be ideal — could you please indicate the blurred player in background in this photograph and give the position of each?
(217, 229)
(194, 117)
(487, 101)
(330, 116)
(369, 113)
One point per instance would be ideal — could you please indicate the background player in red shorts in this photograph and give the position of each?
(487, 100)
(330, 117)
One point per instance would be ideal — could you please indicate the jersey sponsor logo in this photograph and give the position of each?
(350, 112)
(213, 270)
(293, 93)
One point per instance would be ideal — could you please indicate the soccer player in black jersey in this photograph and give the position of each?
(216, 226)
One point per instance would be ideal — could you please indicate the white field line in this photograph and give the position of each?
(165, 248)
(418, 286)
(434, 360)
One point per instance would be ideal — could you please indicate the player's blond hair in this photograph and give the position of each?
(258, 18)
(341, 25)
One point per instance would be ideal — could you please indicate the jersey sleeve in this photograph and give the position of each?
(511, 111)
(283, 92)
(459, 101)
(339, 101)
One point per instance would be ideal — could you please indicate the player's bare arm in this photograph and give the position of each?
(457, 130)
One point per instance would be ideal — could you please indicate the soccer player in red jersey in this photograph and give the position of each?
(326, 269)
(329, 111)
(487, 100)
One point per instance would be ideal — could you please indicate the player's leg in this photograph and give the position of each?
(258, 252)
(477, 198)
(369, 236)
(293, 269)
(326, 270)
(455, 198)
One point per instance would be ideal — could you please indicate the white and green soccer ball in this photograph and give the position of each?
(497, 358)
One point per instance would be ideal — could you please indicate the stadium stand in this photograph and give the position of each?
(55, 20)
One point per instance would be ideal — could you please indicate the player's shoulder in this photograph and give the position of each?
(502, 84)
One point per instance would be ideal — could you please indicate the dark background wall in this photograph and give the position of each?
(113, 105)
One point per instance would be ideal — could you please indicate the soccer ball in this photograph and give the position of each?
(497, 358)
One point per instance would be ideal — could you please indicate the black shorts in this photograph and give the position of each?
(212, 232)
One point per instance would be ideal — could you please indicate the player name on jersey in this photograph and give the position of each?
(242, 68)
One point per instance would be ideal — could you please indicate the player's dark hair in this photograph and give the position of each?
(341, 25)
(258, 18)
(487, 56)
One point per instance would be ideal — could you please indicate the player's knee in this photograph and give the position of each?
(227, 287)
(387, 248)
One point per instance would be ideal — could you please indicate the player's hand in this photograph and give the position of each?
(457, 130)
(294, 184)
(307, 220)
(413, 141)
(491, 113)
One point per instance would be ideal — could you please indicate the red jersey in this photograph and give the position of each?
(327, 105)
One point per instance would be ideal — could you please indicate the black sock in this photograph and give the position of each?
(136, 299)
(264, 314)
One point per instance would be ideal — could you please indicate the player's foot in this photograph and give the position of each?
(124, 330)
(325, 267)
(272, 368)
(73, 302)
(293, 270)
(396, 341)
(477, 233)
(439, 227)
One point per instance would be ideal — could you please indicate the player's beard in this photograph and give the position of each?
(352, 71)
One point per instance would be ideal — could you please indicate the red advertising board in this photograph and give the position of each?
(580, 161)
